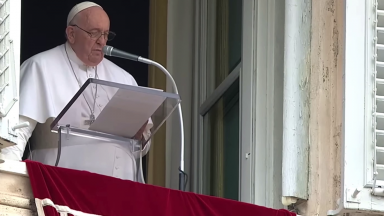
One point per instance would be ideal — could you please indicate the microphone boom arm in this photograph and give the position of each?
(169, 76)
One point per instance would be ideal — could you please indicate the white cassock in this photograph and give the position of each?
(47, 84)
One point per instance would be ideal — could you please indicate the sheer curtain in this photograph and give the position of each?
(217, 114)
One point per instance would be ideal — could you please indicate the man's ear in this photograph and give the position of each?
(70, 33)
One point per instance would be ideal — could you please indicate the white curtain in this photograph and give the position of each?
(217, 112)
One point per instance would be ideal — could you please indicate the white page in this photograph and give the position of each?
(126, 112)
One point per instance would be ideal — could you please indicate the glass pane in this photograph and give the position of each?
(221, 140)
(227, 41)
(234, 32)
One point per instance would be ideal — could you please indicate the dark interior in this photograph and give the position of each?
(43, 26)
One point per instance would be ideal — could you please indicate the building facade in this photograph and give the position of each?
(286, 102)
(282, 101)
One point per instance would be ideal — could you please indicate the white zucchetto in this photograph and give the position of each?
(80, 7)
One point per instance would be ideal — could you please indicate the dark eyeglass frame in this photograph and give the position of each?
(110, 35)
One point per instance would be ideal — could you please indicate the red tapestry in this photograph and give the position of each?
(102, 195)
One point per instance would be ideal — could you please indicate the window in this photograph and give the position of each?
(249, 96)
(10, 26)
(220, 109)
(363, 161)
(238, 79)
(376, 136)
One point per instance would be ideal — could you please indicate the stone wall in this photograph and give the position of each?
(326, 91)
(16, 197)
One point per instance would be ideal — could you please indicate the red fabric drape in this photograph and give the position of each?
(107, 196)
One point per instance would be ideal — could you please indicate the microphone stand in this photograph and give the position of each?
(111, 51)
(182, 182)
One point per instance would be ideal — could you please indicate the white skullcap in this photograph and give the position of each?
(79, 7)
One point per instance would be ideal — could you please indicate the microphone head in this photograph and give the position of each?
(107, 50)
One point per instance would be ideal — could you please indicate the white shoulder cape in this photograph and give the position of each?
(47, 83)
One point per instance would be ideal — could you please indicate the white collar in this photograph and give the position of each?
(73, 57)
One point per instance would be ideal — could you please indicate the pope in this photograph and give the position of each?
(49, 80)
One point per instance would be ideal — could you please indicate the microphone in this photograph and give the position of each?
(111, 51)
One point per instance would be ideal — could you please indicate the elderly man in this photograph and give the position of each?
(48, 82)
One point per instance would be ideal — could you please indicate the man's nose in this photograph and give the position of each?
(102, 40)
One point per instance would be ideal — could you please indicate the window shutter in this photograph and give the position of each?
(378, 93)
(363, 110)
(10, 23)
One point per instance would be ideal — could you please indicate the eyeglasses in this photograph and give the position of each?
(96, 35)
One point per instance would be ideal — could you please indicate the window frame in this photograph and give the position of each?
(260, 74)
(358, 152)
(205, 94)
(369, 99)
(9, 104)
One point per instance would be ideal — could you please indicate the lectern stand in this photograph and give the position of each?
(119, 113)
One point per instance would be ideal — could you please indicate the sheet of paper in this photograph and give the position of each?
(126, 112)
(150, 88)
